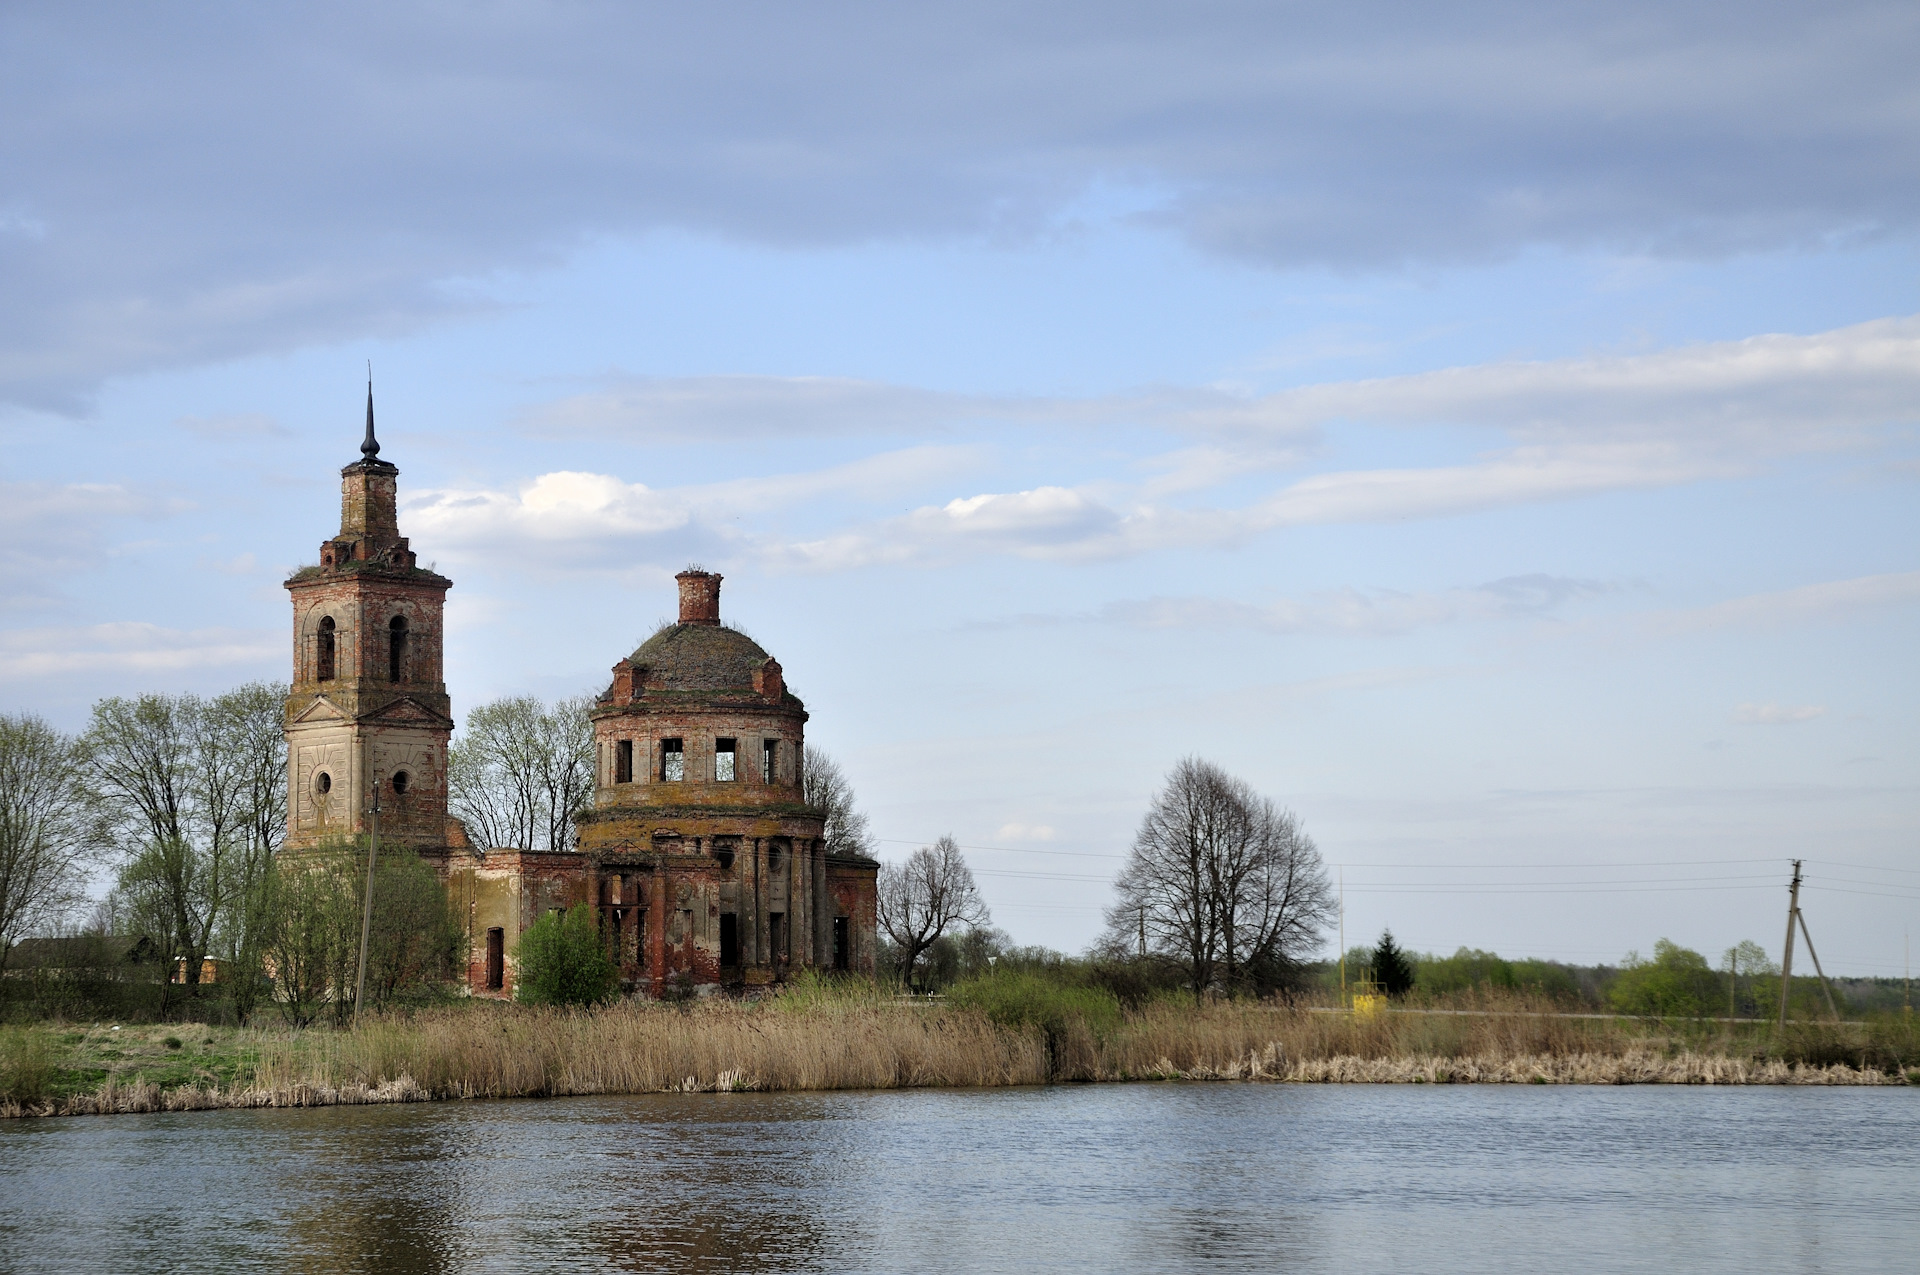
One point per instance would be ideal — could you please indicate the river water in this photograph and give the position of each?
(1099, 1178)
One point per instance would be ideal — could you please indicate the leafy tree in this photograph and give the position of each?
(1750, 960)
(314, 911)
(1391, 968)
(562, 959)
(1676, 983)
(192, 792)
(415, 941)
(313, 942)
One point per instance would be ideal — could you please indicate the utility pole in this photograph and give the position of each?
(1786, 955)
(366, 918)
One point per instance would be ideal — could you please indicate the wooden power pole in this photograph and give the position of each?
(1786, 955)
(1796, 917)
(366, 918)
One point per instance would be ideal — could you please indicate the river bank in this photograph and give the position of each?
(839, 1042)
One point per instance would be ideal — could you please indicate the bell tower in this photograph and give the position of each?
(368, 711)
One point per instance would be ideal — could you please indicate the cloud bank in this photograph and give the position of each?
(1554, 430)
(201, 181)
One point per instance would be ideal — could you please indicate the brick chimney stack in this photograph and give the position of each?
(699, 597)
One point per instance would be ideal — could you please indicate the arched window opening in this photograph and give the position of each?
(323, 660)
(323, 783)
(396, 648)
(400, 783)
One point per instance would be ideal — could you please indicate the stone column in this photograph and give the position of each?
(657, 928)
(822, 909)
(799, 927)
(762, 955)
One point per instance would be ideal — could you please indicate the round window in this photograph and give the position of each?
(399, 783)
(323, 783)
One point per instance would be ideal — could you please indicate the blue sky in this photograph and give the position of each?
(1490, 432)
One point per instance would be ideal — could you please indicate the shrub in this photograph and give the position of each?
(562, 959)
(1676, 983)
(26, 1064)
(1073, 1018)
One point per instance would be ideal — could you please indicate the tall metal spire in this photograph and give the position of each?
(370, 448)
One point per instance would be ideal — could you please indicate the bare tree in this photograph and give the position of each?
(521, 772)
(825, 787)
(192, 793)
(1220, 881)
(43, 842)
(920, 900)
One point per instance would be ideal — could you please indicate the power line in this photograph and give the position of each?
(1865, 894)
(1867, 867)
(1079, 854)
(1884, 885)
(1550, 889)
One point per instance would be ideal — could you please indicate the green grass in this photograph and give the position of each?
(45, 1063)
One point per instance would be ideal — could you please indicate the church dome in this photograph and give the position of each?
(700, 657)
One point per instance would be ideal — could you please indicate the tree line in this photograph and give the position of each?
(180, 802)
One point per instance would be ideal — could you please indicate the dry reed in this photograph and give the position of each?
(867, 1042)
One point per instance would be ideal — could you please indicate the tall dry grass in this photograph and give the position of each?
(820, 1038)
(639, 1047)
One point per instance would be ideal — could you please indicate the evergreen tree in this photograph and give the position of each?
(1391, 968)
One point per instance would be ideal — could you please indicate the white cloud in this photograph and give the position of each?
(1777, 714)
(1828, 599)
(1379, 612)
(589, 517)
(1764, 393)
(134, 648)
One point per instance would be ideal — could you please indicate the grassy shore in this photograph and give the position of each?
(826, 1038)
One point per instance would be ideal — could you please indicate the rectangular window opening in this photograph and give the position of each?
(723, 755)
(842, 937)
(673, 762)
(729, 939)
(769, 759)
(623, 762)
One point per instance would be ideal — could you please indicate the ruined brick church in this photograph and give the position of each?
(700, 855)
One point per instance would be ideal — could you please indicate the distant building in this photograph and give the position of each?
(703, 860)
